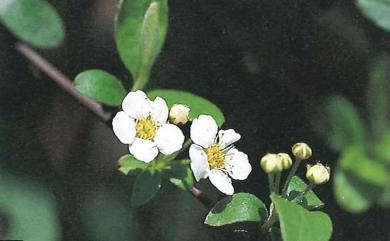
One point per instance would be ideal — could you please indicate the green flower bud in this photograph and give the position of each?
(318, 174)
(271, 163)
(179, 114)
(286, 160)
(302, 150)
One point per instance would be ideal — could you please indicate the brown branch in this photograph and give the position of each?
(64, 82)
(67, 85)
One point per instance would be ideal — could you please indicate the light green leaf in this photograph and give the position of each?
(355, 161)
(377, 96)
(381, 149)
(128, 163)
(146, 186)
(351, 194)
(310, 200)
(33, 21)
(241, 207)
(342, 125)
(377, 11)
(100, 86)
(141, 26)
(299, 224)
(197, 104)
(30, 207)
(180, 175)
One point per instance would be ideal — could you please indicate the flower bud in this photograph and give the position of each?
(179, 114)
(271, 163)
(286, 160)
(301, 150)
(318, 174)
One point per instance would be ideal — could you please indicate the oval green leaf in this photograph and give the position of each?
(377, 11)
(351, 194)
(30, 207)
(198, 105)
(240, 207)
(129, 164)
(146, 186)
(33, 21)
(342, 125)
(141, 26)
(180, 174)
(101, 86)
(299, 224)
(310, 200)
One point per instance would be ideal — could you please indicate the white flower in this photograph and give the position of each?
(214, 156)
(143, 125)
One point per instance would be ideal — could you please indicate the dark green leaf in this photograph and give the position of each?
(128, 163)
(33, 21)
(377, 11)
(241, 207)
(141, 26)
(342, 125)
(299, 224)
(197, 104)
(378, 96)
(180, 174)
(310, 200)
(30, 209)
(146, 186)
(100, 86)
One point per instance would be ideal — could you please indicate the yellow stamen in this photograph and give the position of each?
(146, 128)
(215, 157)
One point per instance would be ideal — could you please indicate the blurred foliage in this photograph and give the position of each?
(362, 175)
(33, 21)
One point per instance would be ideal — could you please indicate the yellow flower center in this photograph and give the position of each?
(146, 128)
(215, 157)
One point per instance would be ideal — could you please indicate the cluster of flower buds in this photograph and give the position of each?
(276, 163)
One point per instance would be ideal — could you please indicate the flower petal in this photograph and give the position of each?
(221, 181)
(199, 165)
(159, 110)
(136, 104)
(169, 138)
(237, 164)
(124, 127)
(227, 137)
(203, 130)
(144, 150)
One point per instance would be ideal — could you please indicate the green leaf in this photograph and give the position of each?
(141, 26)
(377, 96)
(33, 21)
(197, 104)
(30, 208)
(310, 200)
(180, 175)
(355, 160)
(241, 207)
(350, 193)
(146, 186)
(100, 86)
(128, 163)
(377, 11)
(381, 149)
(299, 224)
(343, 125)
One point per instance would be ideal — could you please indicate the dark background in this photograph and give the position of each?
(267, 64)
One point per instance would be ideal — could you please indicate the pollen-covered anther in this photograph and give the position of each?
(215, 157)
(146, 128)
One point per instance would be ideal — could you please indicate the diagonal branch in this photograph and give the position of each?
(63, 81)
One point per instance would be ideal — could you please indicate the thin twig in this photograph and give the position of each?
(64, 82)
